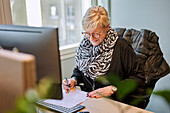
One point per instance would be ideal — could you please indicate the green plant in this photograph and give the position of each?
(26, 103)
(125, 87)
(163, 93)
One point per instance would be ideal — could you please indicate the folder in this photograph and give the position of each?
(17, 74)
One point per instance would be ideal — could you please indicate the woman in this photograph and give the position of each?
(101, 52)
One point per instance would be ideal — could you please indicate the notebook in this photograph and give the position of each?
(69, 104)
(58, 108)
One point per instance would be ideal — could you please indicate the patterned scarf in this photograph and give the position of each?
(96, 60)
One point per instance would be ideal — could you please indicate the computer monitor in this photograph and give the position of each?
(42, 42)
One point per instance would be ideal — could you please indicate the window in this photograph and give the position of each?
(66, 14)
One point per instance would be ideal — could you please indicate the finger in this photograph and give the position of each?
(65, 87)
(98, 96)
(87, 94)
(71, 83)
(64, 82)
(91, 94)
(67, 90)
(71, 86)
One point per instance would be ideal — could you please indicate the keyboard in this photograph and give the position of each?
(57, 108)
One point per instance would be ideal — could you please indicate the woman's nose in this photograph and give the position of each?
(91, 38)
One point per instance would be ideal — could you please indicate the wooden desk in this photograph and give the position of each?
(104, 105)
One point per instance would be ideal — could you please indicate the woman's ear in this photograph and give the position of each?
(107, 27)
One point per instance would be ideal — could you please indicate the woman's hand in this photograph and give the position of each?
(101, 92)
(72, 82)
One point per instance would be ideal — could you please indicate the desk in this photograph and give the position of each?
(104, 105)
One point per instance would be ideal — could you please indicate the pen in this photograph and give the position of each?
(68, 85)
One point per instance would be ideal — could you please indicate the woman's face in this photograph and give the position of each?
(96, 36)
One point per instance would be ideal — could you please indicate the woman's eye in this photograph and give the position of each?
(96, 33)
(87, 34)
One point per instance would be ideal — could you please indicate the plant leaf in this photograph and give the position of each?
(126, 87)
(114, 80)
(164, 93)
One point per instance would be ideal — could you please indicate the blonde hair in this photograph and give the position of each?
(95, 16)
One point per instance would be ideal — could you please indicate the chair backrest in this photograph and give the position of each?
(145, 44)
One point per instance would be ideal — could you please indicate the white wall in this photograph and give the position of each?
(153, 15)
(67, 66)
(144, 14)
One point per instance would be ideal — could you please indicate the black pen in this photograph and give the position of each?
(68, 85)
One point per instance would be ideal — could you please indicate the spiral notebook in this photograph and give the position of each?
(58, 108)
(69, 104)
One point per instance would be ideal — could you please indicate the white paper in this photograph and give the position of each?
(70, 99)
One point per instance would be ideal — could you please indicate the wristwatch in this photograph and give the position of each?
(114, 89)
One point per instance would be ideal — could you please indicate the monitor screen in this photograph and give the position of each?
(42, 42)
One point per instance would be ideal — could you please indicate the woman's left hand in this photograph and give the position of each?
(101, 92)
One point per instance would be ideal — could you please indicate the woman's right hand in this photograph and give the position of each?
(72, 83)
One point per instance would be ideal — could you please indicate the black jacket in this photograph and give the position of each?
(146, 46)
(124, 63)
